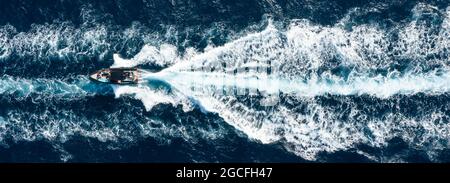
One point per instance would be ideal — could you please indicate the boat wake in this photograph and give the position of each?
(278, 86)
(312, 89)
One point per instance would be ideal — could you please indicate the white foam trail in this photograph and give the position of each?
(302, 59)
(151, 97)
(379, 86)
(319, 129)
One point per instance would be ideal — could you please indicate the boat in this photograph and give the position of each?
(123, 76)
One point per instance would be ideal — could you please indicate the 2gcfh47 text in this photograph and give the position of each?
(225, 173)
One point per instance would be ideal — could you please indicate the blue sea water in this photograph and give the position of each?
(342, 81)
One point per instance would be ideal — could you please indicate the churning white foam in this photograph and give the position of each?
(201, 83)
(303, 61)
(165, 55)
(151, 97)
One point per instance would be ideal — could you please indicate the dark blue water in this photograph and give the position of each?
(51, 112)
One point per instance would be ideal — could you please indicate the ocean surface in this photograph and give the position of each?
(226, 81)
